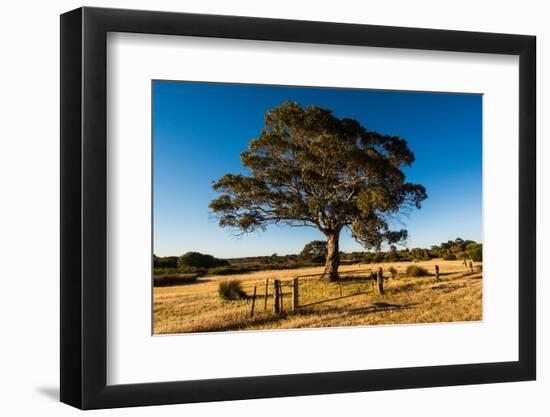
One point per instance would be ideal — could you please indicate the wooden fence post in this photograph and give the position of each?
(280, 298)
(471, 267)
(380, 279)
(295, 295)
(253, 302)
(276, 304)
(265, 294)
(437, 272)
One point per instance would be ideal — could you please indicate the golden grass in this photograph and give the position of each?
(198, 308)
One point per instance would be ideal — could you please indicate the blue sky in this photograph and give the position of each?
(200, 129)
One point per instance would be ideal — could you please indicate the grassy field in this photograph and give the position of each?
(196, 307)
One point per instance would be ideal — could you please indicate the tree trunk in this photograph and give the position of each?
(333, 257)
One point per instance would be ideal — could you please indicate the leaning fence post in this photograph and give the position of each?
(253, 302)
(437, 272)
(380, 279)
(471, 267)
(265, 294)
(295, 295)
(276, 296)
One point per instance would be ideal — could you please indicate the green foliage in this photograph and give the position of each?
(379, 257)
(165, 262)
(315, 251)
(199, 260)
(419, 254)
(416, 271)
(310, 168)
(475, 251)
(435, 252)
(230, 270)
(231, 290)
(392, 255)
(164, 271)
(472, 251)
(167, 280)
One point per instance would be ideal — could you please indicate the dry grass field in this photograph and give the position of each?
(196, 307)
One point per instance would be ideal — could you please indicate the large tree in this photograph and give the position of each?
(310, 168)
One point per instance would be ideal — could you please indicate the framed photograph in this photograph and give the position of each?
(259, 208)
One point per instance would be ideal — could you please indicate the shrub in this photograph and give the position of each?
(165, 262)
(449, 257)
(392, 271)
(230, 270)
(165, 271)
(231, 290)
(416, 271)
(200, 260)
(475, 251)
(379, 257)
(167, 280)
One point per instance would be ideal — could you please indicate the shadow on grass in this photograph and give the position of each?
(402, 288)
(478, 277)
(269, 318)
(372, 308)
(380, 307)
(447, 288)
(242, 324)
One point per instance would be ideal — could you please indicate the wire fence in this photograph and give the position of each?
(292, 294)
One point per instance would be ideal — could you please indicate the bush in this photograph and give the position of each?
(200, 260)
(230, 270)
(166, 271)
(392, 271)
(449, 257)
(475, 251)
(167, 280)
(165, 262)
(416, 271)
(231, 290)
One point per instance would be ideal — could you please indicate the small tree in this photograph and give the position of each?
(165, 262)
(392, 255)
(315, 251)
(310, 168)
(420, 254)
(460, 253)
(200, 260)
(475, 251)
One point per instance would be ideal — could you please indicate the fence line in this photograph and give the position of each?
(307, 290)
(303, 291)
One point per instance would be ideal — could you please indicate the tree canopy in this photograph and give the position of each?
(310, 168)
(200, 260)
(314, 251)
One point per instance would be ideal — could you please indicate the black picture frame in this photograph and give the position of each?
(84, 207)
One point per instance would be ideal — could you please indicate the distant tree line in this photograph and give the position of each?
(458, 249)
(314, 254)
